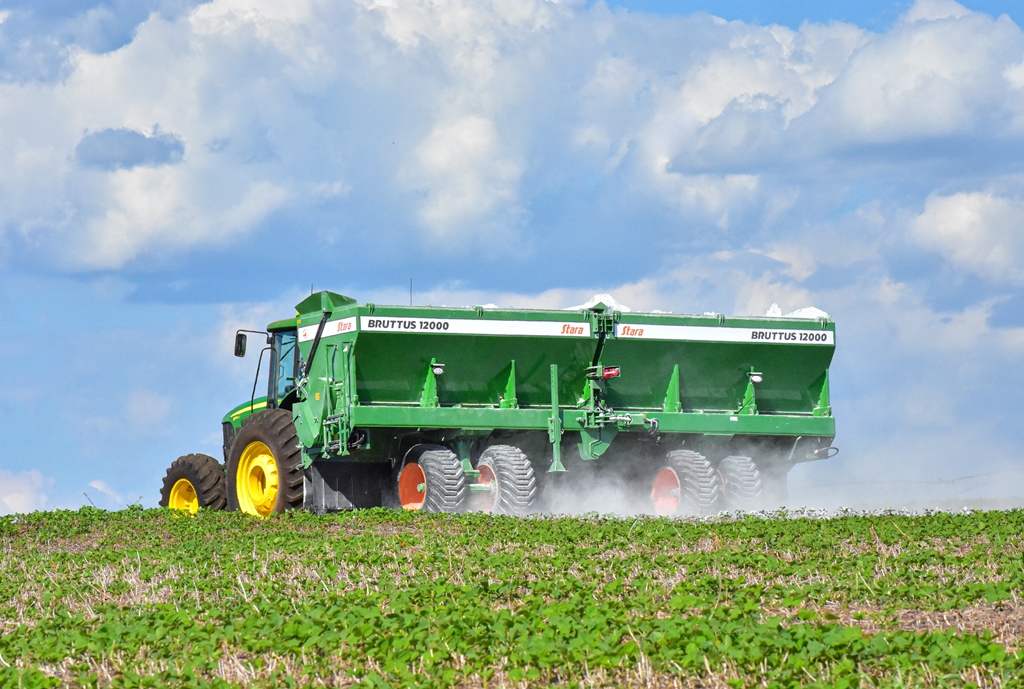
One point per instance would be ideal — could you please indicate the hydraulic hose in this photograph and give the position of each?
(316, 343)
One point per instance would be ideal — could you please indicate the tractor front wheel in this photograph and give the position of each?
(193, 481)
(264, 472)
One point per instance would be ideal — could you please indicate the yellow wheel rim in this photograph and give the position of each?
(256, 481)
(183, 496)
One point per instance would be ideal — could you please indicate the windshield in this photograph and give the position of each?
(284, 362)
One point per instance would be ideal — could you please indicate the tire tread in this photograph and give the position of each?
(446, 481)
(206, 475)
(741, 482)
(276, 429)
(517, 483)
(701, 489)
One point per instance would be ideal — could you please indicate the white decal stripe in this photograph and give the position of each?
(467, 326)
(340, 327)
(464, 326)
(701, 333)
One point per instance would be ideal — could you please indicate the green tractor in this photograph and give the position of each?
(500, 410)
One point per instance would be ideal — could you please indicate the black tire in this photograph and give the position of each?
(443, 481)
(741, 483)
(204, 473)
(515, 489)
(697, 489)
(276, 430)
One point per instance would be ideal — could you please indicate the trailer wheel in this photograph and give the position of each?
(686, 484)
(433, 482)
(513, 485)
(264, 472)
(193, 481)
(741, 482)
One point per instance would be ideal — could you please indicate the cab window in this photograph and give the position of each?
(284, 365)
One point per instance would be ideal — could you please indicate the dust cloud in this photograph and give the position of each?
(824, 487)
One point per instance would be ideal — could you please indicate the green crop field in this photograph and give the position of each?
(150, 598)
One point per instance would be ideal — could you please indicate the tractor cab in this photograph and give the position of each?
(285, 362)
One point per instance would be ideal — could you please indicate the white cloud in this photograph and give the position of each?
(799, 260)
(453, 117)
(912, 326)
(770, 68)
(262, 15)
(1015, 75)
(465, 173)
(128, 211)
(930, 10)
(23, 492)
(977, 231)
(755, 295)
(938, 75)
(111, 218)
(169, 206)
(104, 487)
(714, 196)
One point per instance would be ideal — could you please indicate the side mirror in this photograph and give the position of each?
(239, 344)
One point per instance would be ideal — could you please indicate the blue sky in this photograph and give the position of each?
(174, 170)
(876, 15)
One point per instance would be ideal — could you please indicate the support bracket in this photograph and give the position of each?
(555, 424)
(509, 400)
(672, 403)
(429, 396)
(749, 405)
(824, 406)
(463, 447)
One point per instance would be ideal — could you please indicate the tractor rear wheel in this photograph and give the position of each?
(264, 471)
(513, 485)
(193, 481)
(741, 482)
(686, 484)
(432, 481)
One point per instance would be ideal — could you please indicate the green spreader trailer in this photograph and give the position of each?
(503, 410)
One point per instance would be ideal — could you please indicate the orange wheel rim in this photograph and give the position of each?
(412, 487)
(485, 502)
(665, 491)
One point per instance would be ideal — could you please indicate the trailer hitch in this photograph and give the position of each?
(631, 420)
(824, 452)
(813, 455)
(603, 416)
